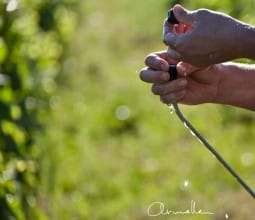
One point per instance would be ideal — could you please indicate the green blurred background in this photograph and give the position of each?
(81, 137)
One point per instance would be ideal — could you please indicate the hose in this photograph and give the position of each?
(200, 137)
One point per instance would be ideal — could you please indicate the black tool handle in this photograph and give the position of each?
(171, 17)
(172, 67)
(173, 71)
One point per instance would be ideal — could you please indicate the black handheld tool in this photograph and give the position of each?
(172, 67)
(171, 17)
(172, 71)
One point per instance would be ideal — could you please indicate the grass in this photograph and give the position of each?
(96, 166)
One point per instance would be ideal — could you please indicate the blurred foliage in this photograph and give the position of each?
(33, 38)
(107, 150)
(116, 149)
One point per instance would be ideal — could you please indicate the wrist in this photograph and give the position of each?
(219, 70)
(236, 85)
(246, 40)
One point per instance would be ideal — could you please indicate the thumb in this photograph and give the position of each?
(183, 15)
(185, 69)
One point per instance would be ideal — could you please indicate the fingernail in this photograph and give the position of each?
(181, 68)
(178, 9)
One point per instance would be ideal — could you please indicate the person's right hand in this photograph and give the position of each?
(211, 38)
(193, 85)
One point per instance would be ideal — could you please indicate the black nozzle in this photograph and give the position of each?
(171, 17)
(172, 71)
(172, 67)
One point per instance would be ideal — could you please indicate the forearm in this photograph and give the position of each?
(237, 85)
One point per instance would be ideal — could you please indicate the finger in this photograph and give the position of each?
(164, 55)
(180, 28)
(184, 69)
(169, 87)
(187, 28)
(171, 39)
(173, 97)
(156, 61)
(153, 76)
(173, 54)
(167, 27)
(183, 15)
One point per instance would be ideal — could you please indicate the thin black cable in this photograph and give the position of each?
(212, 150)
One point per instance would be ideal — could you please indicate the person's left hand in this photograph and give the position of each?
(193, 85)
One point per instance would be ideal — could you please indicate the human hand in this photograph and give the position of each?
(193, 85)
(209, 37)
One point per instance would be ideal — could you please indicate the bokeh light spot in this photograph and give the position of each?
(122, 112)
(247, 159)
